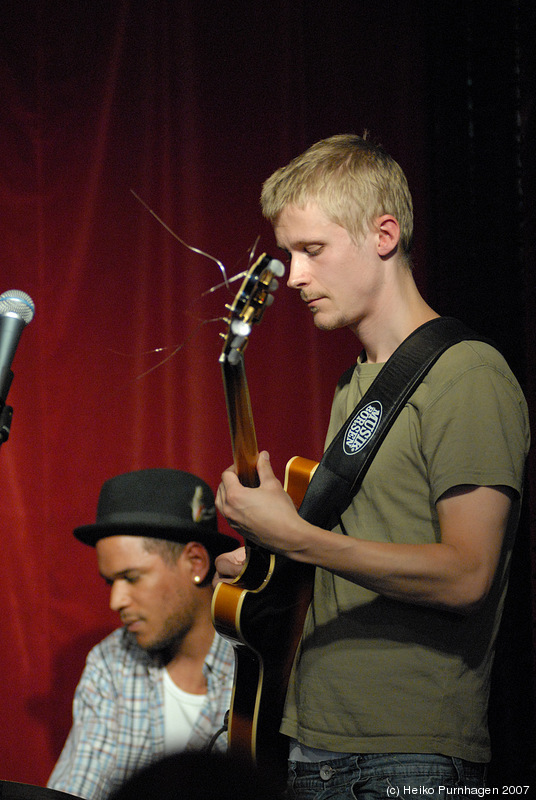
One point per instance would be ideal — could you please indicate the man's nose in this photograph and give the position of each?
(298, 274)
(118, 596)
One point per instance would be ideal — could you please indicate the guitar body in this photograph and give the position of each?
(262, 613)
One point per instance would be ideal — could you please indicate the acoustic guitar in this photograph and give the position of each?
(262, 612)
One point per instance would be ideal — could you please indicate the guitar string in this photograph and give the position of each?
(178, 238)
(202, 322)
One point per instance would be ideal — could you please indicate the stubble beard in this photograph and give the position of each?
(168, 642)
(329, 325)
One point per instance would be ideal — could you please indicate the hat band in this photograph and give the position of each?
(137, 518)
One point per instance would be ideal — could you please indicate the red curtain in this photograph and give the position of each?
(190, 105)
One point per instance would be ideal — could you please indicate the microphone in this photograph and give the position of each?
(16, 311)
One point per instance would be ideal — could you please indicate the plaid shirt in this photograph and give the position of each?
(118, 715)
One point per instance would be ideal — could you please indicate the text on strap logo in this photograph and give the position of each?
(362, 428)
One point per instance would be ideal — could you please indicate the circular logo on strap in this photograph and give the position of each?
(362, 428)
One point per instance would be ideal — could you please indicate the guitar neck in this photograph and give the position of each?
(241, 426)
(262, 610)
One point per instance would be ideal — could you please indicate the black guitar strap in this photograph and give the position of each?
(344, 464)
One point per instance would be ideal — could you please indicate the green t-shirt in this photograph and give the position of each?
(378, 675)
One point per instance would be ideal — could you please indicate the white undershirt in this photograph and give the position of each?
(181, 710)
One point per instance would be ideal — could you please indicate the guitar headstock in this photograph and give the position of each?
(250, 303)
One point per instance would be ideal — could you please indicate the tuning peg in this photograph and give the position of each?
(240, 328)
(233, 357)
(277, 267)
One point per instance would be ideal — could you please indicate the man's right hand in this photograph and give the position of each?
(229, 565)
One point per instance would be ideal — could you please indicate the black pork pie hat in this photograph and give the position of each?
(160, 504)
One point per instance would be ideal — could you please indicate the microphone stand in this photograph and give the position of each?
(6, 415)
(6, 412)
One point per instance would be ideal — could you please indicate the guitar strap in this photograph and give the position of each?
(345, 462)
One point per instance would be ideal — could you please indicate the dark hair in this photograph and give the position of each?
(167, 550)
(170, 552)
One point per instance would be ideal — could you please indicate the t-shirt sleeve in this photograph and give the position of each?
(474, 431)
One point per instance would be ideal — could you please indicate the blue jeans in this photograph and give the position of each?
(380, 776)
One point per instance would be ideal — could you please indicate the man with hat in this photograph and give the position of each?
(162, 682)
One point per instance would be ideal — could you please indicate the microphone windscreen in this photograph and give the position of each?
(16, 302)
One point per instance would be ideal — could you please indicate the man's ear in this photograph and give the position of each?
(198, 561)
(388, 231)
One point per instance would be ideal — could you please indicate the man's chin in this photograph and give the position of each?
(326, 324)
(143, 642)
(163, 650)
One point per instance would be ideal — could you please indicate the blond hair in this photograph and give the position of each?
(351, 179)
